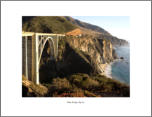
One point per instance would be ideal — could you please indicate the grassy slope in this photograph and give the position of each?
(46, 24)
(78, 85)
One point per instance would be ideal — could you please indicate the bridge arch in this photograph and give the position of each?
(32, 52)
(52, 48)
(46, 50)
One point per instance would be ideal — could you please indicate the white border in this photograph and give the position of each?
(138, 104)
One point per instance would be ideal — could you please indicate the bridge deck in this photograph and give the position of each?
(32, 33)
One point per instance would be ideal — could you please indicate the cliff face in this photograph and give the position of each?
(85, 55)
(114, 40)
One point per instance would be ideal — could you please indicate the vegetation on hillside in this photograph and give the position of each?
(47, 24)
(29, 89)
(83, 85)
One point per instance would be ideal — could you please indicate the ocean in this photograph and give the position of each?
(120, 69)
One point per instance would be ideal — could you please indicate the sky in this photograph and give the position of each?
(116, 25)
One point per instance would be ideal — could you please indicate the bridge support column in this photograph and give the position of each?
(57, 46)
(37, 57)
(26, 57)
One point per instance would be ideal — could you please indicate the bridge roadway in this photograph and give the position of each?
(32, 48)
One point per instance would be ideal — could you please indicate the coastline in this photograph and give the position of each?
(107, 69)
(108, 72)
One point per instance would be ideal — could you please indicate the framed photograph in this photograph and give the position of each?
(76, 58)
(63, 56)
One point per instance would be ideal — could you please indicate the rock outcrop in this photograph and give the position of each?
(84, 55)
(29, 89)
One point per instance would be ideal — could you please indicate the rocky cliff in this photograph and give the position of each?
(79, 55)
(99, 52)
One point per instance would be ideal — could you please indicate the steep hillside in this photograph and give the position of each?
(87, 25)
(64, 24)
(96, 31)
(47, 24)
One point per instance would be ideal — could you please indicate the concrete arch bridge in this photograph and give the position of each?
(32, 48)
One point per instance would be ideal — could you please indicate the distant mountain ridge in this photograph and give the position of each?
(64, 24)
(87, 25)
(102, 34)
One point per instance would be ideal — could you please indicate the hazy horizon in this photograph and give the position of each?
(116, 25)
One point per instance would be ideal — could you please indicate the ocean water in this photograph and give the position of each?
(120, 69)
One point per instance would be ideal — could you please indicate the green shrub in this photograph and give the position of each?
(89, 83)
(89, 94)
(61, 84)
(83, 81)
